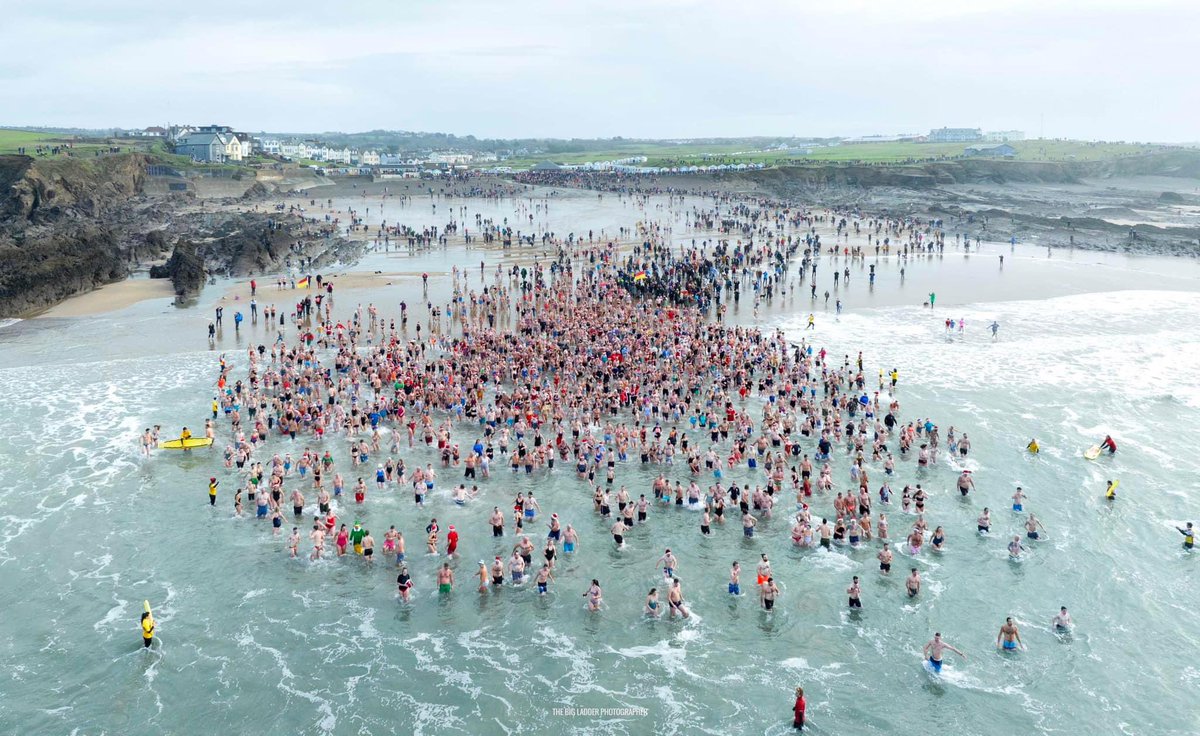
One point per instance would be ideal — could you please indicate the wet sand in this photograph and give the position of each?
(111, 297)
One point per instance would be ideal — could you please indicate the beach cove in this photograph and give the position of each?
(1088, 344)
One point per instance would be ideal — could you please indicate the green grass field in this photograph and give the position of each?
(862, 153)
(84, 149)
(664, 153)
(12, 140)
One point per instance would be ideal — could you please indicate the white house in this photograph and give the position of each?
(178, 132)
(233, 147)
(296, 150)
(445, 157)
(245, 145)
(369, 158)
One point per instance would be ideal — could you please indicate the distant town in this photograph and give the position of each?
(223, 144)
(222, 150)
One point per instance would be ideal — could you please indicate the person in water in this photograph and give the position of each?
(1033, 446)
(147, 628)
(933, 651)
(1009, 637)
(1109, 444)
(1110, 493)
(798, 709)
(651, 608)
(1062, 621)
(1189, 536)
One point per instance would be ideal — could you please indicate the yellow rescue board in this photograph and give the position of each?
(185, 444)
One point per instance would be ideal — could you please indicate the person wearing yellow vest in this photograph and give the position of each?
(147, 628)
(1189, 536)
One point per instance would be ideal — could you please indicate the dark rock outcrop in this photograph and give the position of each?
(789, 180)
(68, 226)
(185, 268)
(45, 268)
(256, 191)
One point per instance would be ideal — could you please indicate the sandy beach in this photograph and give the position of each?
(111, 297)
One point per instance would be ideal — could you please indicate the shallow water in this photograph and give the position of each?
(250, 639)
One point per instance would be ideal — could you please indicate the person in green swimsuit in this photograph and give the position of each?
(445, 578)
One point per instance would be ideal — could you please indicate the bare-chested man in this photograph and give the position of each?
(934, 648)
(1009, 637)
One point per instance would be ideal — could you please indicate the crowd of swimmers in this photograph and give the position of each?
(588, 362)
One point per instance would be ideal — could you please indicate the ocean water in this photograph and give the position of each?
(252, 640)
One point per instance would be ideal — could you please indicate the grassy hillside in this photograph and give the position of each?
(12, 140)
(860, 153)
(662, 153)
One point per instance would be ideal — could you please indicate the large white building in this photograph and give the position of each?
(1004, 136)
(444, 157)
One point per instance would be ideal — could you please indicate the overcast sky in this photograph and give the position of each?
(1097, 69)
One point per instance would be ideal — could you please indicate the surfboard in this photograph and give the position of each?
(185, 444)
(146, 606)
(1092, 452)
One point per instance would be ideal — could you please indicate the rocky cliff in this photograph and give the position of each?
(789, 180)
(1084, 204)
(68, 225)
(46, 191)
